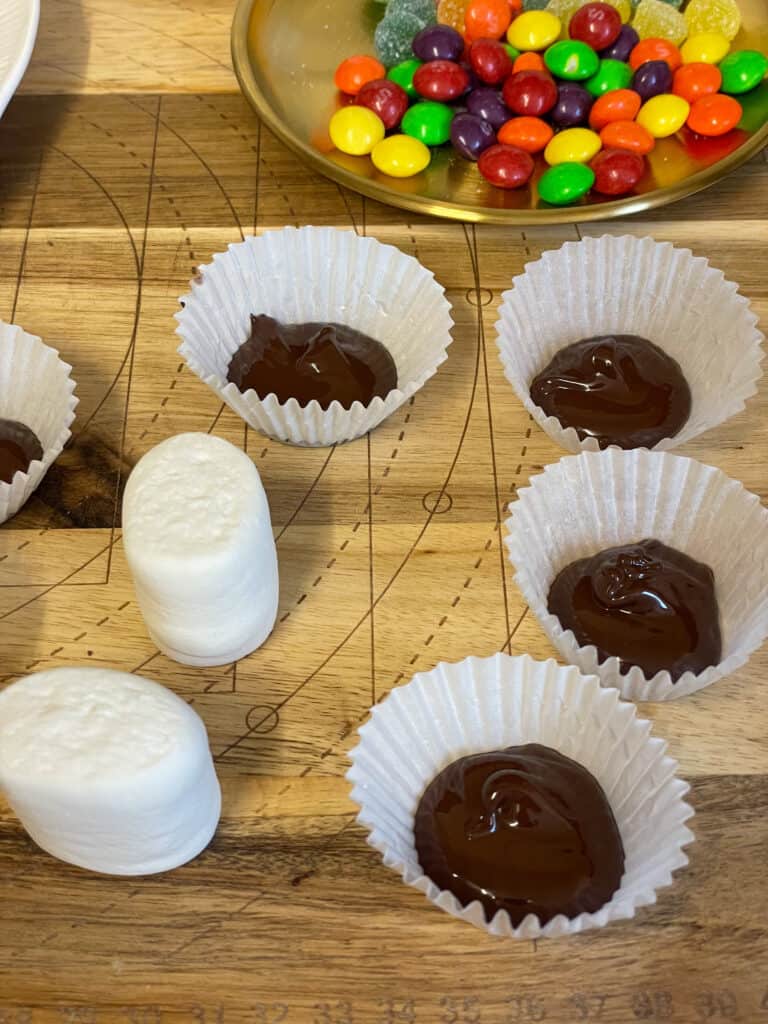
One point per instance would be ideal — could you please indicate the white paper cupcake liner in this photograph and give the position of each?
(626, 285)
(586, 503)
(301, 275)
(483, 704)
(35, 389)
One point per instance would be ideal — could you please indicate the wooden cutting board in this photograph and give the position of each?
(128, 160)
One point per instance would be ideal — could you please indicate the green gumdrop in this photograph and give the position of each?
(429, 122)
(565, 183)
(534, 5)
(742, 71)
(425, 10)
(403, 74)
(610, 75)
(394, 35)
(572, 60)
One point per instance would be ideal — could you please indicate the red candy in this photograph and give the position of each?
(385, 98)
(352, 74)
(490, 61)
(530, 134)
(597, 24)
(530, 92)
(692, 81)
(655, 49)
(506, 166)
(487, 19)
(617, 105)
(529, 62)
(627, 135)
(441, 80)
(714, 115)
(617, 171)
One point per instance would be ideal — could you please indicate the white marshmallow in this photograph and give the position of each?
(198, 540)
(108, 770)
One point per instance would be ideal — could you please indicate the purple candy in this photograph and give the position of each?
(438, 42)
(488, 104)
(652, 78)
(573, 105)
(622, 46)
(470, 135)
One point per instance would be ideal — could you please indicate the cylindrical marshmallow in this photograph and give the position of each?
(108, 771)
(198, 540)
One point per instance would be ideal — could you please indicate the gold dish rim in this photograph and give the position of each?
(445, 209)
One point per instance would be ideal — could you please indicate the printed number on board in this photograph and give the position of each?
(652, 1006)
(460, 1011)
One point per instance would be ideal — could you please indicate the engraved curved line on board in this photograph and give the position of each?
(165, 35)
(398, 570)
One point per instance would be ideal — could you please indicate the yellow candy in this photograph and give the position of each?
(400, 156)
(720, 16)
(655, 19)
(705, 48)
(664, 115)
(534, 30)
(573, 146)
(356, 130)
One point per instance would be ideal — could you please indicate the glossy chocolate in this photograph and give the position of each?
(524, 830)
(315, 361)
(619, 388)
(648, 604)
(18, 447)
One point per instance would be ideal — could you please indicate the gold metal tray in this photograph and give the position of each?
(286, 51)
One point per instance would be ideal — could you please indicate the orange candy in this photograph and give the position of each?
(714, 115)
(617, 105)
(627, 135)
(487, 19)
(530, 134)
(515, 8)
(655, 49)
(528, 62)
(692, 81)
(353, 73)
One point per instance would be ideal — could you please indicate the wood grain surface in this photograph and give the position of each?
(127, 160)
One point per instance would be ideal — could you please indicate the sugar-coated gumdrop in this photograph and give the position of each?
(572, 60)
(403, 74)
(625, 43)
(714, 115)
(352, 74)
(619, 105)
(386, 99)
(627, 135)
(534, 30)
(535, 5)
(394, 35)
(429, 122)
(743, 71)
(528, 133)
(470, 135)
(705, 48)
(664, 115)
(441, 80)
(355, 130)
(692, 81)
(529, 62)
(655, 48)
(597, 24)
(424, 10)
(565, 183)
(658, 19)
(487, 19)
(564, 9)
(617, 171)
(506, 166)
(490, 61)
(451, 12)
(572, 146)
(400, 156)
(721, 16)
(488, 104)
(530, 92)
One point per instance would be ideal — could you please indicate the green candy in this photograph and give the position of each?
(513, 53)
(742, 71)
(429, 122)
(572, 60)
(403, 74)
(610, 75)
(565, 183)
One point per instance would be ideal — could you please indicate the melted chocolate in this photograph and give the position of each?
(647, 604)
(618, 388)
(524, 830)
(18, 447)
(320, 362)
